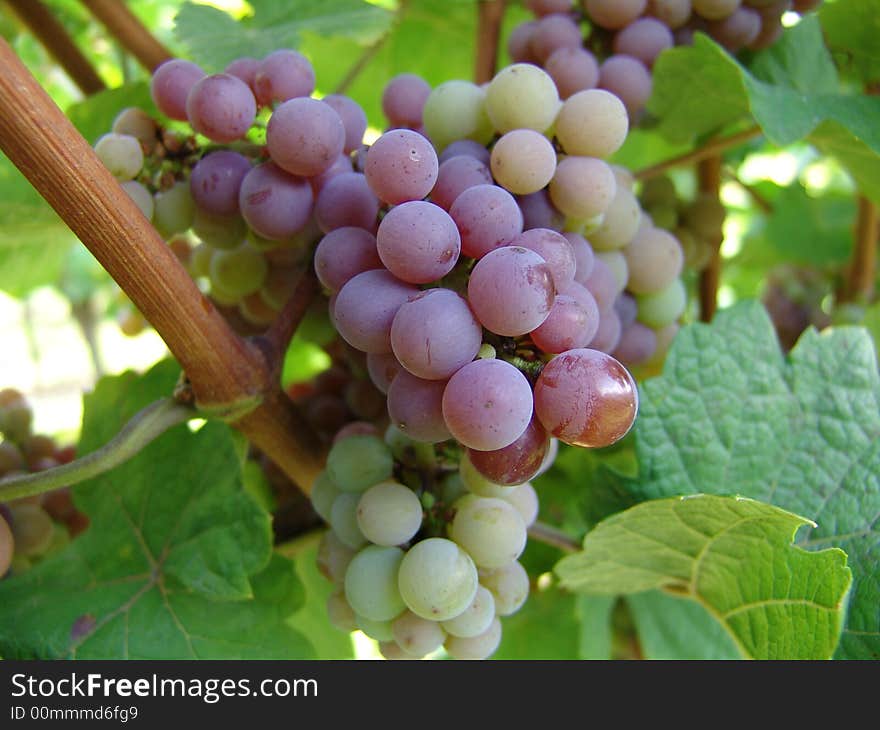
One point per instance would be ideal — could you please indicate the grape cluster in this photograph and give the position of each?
(34, 527)
(626, 36)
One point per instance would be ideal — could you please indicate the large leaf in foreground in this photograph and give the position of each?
(734, 557)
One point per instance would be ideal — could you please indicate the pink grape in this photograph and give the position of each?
(382, 369)
(171, 83)
(353, 117)
(584, 256)
(274, 203)
(628, 79)
(346, 200)
(343, 254)
(401, 165)
(283, 75)
(553, 32)
(614, 14)
(487, 404)
(340, 164)
(586, 398)
(572, 70)
(468, 147)
(519, 43)
(403, 99)
(244, 68)
(415, 406)
(517, 462)
(569, 325)
(607, 337)
(305, 136)
(418, 242)
(644, 39)
(222, 107)
(456, 175)
(434, 334)
(487, 217)
(216, 180)
(554, 248)
(539, 212)
(637, 344)
(602, 285)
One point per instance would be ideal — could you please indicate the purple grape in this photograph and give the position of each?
(582, 296)
(216, 180)
(627, 309)
(353, 117)
(511, 291)
(572, 70)
(346, 200)
(519, 43)
(305, 136)
(607, 336)
(568, 326)
(586, 398)
(554, 248)
(222, 107)
(244, 68)
(418, 242)
(487, 217)
(539, 212)
(468, 147)
(344, 253)
(382, 369)
(403, 99)
(283, 75)
(434, 334)
(456, 175)
(275, 204)
(516, 463)
(602, 285)
(628, 79)
(365, 307)
(340, 164)
(171, 84)
(401, 165)
(415, 406)
(737, 30)
(644, 39)
(553, 32)
(487, 405)
(637, 344)
(583, 254)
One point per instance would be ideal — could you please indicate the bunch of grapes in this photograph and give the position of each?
(626, 36)
(34, 527)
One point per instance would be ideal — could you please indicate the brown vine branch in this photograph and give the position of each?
(277, 338)
(46, 27)
(225, 371)
(490, 14)
(709, 181)
(862, 272)
(549, 535)
(129, 31)
(713, 148)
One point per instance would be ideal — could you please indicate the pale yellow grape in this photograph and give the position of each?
(509, 587)
(142, 197)
(456, 110)
(523, 161)
(664, 307)
(333, 557)
(389, 513)
(624, 177)
(475, 482)
(371, 583)
(620, 223)
(592, 123)
(582, 187)
(715, 9)
(655, 259)
(522, 96)
(239, 271)
(324, 491)
(616, 262)
(524, 498)
(376, 630)
(121, 154)
(340, 613)
(490, 530)
(391, 651)
(417, 636)
(478, 647)
(175, 209)
(200, 261)
(476, 617)
(437, 579)
(343, 520)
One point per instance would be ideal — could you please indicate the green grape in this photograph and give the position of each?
(141, 197)
(343, 520)
(324, 491)
(456, 110)
(32, 529)
(174, 210)
(475, 482)
(389, 513)
(121, 154)
(219, 231)
(491, 530)
(417, 636)
(524, 498)
(339, 612)
(509, 587)
(376, 630)
(475, 619)
(620, 223)
(371, 583)
(522, 96)
(356, 463)
(333, 557)
(200, 261)
(11, 458)
(663, 307)
(239, 271)
(476, 647)
(437, 579)
(659, 191)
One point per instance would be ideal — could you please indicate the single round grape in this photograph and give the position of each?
(418, 242)
(456, 110)
(522, 96)
(705, 217)
(627, 78)
(216, 181)
(655, 259)
(487, 217)
(586, 398)
(550, 458)
(477, 647)
(340, 165)
(523, 161)
(379, 631)
(644, 39)
(137, 123)
(346, 200)
(417, 636)
(572, 70)
(339, 613)
(524, 499)
(583, 254)
(474, 482)
(121, 154)
(355, 428)
(334, 555)
(620, 224)
(661, 308)
(274, 203)
(519, 43)
(371, 583)
(737, 30)
(715, 9)
(616, 262)
(32, 529)
(353, 117)
(553, 32)
(511, 291)
(415, 406)
(283, 75)
(592, 123)
(343, 520)
(456, 175)
(171, 84)
(403, 100)
(672, 13)
(244, 68)
(357, 463)
(491, 530)
(435, 334)
(389, 514)
(538, 212)
(343, 254)
(554, 248)
(607, 337)
(466, 148)
(218, 231)
(239, 271)
(582, 187)
(602, 284)
(7, 546)
(390, 651)
(365, 309)
(569, 326)
(626, 307)
(221, 107)
(305, 136)
(514, 464)
(487, 404)
(324, 491)
(255, 311)
(401, 165)
(142, 197)
(382, 369)
(437, 579)
(475, 619)
(637, 344)
(614, 14)
(174, 210)
(509, 587)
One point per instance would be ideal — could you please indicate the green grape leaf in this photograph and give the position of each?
(701, 88)
(176, 562)
(851, 28)
(213, 38)
(731, 415)
(733, 556)
(94, 115)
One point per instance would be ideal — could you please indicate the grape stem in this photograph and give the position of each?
(553, 536)
(51, 33)
(862, 271)
(129, 31)
(709, 182)
(144, 427)
(490, 15)
(713, 148)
